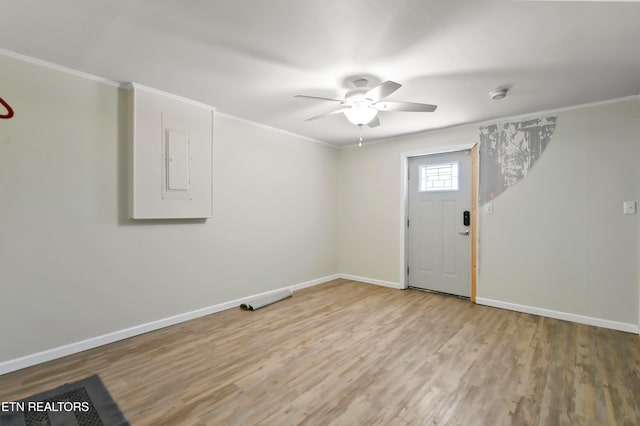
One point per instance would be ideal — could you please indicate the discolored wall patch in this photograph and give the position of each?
(508, 150)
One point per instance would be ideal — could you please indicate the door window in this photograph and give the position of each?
(439, 177)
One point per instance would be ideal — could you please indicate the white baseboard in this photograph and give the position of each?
(94, 342)
(371, 281)
(581, 319)
(311, 283)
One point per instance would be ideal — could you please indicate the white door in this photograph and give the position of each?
(439, 223)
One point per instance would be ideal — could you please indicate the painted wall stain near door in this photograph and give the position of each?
(508, 150)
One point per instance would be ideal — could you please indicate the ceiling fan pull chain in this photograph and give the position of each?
(360, 143)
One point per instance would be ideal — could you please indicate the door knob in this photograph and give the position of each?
(466, 232)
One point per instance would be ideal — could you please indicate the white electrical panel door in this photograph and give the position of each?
(172, 156)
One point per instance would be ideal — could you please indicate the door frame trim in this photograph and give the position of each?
(455, 146)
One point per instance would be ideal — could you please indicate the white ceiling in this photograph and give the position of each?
(248, 58)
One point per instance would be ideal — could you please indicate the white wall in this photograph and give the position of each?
(557, 240)
(73, 266)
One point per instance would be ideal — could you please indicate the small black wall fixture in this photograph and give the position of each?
(9, 113)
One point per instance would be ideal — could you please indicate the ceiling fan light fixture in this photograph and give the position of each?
(362, 103)
(360, 114)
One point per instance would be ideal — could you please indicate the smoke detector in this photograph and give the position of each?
(498, 94)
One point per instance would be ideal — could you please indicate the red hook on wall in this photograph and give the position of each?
(9, 113)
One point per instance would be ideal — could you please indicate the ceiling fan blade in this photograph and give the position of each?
(374, 123)
(404, 106)
(382, 90)
(318, 97)
(326, 114)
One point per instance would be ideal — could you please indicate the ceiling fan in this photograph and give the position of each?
(362, 103)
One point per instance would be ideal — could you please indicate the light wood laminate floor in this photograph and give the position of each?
(356, 354)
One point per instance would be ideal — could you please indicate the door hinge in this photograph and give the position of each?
(407, 222)
(407, 269)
